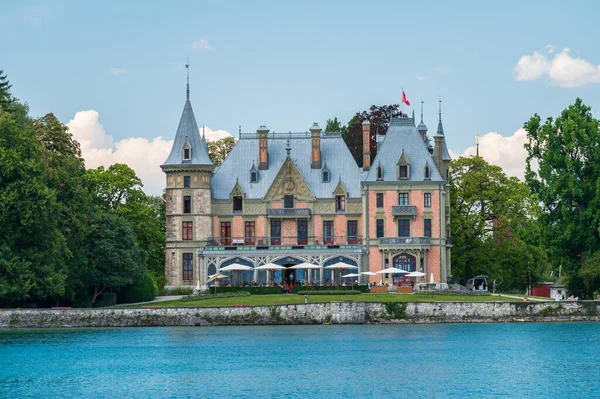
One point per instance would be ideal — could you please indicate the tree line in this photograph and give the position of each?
(67, 234)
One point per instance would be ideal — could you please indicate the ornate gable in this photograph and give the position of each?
(289, 181)
(237, 190)
(340, 189)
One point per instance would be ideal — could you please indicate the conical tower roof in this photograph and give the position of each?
(188, 136)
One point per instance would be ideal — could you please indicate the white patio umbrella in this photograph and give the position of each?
(340, 266)
(351, 275)
(270, 267)
(215, 277)
(304, 266)
(416, 274)
(369, 273)
(235, 267)
(392, 270)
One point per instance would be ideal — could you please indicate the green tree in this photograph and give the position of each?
(29, 216)
(219, 149)
(6, 99)
(113, 258)
(115, 186)
(493, 225)
(379, 117)
(563, 170)
(333, 125)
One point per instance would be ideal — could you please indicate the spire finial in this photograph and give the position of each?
(288, 148)
(440, 112)
(477, 143)
(240, 131)
(203, 131)
(187, 68)
(422, 110)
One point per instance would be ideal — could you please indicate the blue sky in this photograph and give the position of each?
(288, 64)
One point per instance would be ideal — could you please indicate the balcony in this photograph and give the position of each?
(404, 210)
(292, 213)
(288, 243)
(404, 241)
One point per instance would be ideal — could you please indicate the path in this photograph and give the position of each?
(520, 297)
(157, 299)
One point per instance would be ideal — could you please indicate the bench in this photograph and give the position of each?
(237, 241)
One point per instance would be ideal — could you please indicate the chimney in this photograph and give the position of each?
(263, 149)
(315, 134)
(366, 129)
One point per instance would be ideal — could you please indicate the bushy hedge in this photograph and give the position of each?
(453, 293)
(338, 292)
(141, 291)
(361, 288)
(178, 291)
(251, 290)
(212, 296)
(106, 299)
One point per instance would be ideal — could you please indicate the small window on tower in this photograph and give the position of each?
(253, 177)
(186, 182)
(187, 152)
(427, 173)
(325, 176)
(379, 173)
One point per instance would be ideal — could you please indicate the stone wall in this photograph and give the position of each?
(314, 313)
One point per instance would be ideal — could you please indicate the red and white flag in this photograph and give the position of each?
(404, 99)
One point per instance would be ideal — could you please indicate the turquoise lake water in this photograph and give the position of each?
(555, 360)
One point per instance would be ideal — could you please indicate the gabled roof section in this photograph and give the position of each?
(334, 154)
(289, 181)
(403, 159)
(188, 131)
(237, 190)
(340, 189)
(401, 135)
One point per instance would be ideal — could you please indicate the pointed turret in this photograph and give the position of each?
(441, 156)
(188, 147)
(422, 129)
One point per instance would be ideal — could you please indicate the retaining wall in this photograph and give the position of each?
(314, 313)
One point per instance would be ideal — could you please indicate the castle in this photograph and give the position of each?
(291, 198)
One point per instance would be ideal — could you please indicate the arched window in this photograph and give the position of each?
(404, 262)
(379, 172)
(427, 172)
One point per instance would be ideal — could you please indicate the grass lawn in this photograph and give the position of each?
(291, 299)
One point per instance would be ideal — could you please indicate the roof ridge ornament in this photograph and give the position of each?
(187, 69)
(440, 129)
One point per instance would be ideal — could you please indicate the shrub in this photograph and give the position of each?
(361, 288)
(251, 290)
(339, 292)
(179, 291)
(211, 296)
(106, 299)
(140, 291)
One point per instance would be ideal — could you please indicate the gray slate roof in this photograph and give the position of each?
(334, 153)
(403, 135)
(188, 130)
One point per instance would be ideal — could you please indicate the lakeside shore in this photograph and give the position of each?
(347, 312)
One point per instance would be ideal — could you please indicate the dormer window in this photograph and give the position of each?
(379, 172)
(403, 171)
(403, 167)
(427, 172)
(253, 173)
(325, 174)
(187, 154)
(237, 204)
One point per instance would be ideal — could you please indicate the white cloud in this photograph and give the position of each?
(142, 155)
(561, 69)
(117, 71)
(443, 69)
(214, 135)
(202, 44)
(508, 152)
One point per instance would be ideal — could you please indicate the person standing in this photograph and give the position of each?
(494, 287)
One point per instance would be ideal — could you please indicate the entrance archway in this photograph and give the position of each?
(404, 262)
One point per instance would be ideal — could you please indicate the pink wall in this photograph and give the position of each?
(238, 227)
